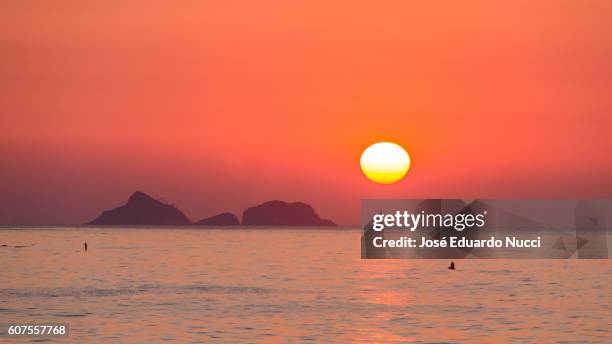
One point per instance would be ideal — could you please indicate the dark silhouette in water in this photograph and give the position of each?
(85, 245)
(452, 266)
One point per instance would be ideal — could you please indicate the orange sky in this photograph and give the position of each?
(220, 105)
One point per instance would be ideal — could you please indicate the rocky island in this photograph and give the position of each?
(279, 213)
(142, 209)
(223, 219)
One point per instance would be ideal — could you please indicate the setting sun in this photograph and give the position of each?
(385, 162)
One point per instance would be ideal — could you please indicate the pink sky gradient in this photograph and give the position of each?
(220, 105)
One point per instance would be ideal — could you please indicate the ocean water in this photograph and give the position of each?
(138, 285)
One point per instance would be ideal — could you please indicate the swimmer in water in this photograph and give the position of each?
(452, 266)
(85, 245)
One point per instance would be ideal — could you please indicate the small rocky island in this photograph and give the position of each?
(223, 219)
(144, 210)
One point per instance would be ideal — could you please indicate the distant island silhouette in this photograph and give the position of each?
(223, 219)
(142, 209)
(279, 213)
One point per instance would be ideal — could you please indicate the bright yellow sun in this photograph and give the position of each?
(385, 162)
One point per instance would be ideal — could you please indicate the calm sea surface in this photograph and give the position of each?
(276, 286)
